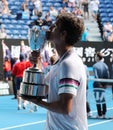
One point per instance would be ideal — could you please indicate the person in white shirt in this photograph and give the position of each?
(37, 5)
(94, 5)
(53, 12)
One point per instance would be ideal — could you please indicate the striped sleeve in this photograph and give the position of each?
(68, 85)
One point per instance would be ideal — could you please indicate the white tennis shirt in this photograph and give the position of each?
(68, 76)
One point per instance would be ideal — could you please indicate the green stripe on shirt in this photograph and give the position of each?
(72, 86)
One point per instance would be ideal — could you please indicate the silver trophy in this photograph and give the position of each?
(33, 79)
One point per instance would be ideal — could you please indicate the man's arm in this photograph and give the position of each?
(63, 105)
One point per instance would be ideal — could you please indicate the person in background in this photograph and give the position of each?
(7, 69)
(25, 3)
(17, 71)
(53, 60)
(85, 4)
(64, 2)
(14, 60)
(37, 7)
(47, 21)
(85, 35)
(71, 3)
(5, 8)
(52, 12)
(101, 71)
(3, 34)
(24, 49)
(67, 83)
(94, 5)
(25, 12)
(89, 113)
(63, 10)
(78, 12)
(39, 21)
(108, 32)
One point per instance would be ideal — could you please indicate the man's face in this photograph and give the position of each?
(54, 34)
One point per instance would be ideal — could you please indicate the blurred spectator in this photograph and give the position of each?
(39, 21)
(85, 5)
(77, 12)
(25, 3)
(25, 12)
(53, 60)
(36, 12)
(85, 35)
(3, 34)
(80, 14)
(47, 21)
(24, 49)
(64, 1)
(4, 2)
(6, 50)
(37, 6)
(63, 10)
(71, 3)
(14, 61)
(45, 56)
(108, 32)
(94, 8)
(7, 68)
(5, 8)
(52, 12)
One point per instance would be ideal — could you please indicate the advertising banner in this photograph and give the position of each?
(86, 50)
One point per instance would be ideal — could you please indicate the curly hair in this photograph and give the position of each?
(73, 25)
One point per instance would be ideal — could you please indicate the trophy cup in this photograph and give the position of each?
(33, 78)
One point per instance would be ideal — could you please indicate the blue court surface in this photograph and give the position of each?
(13, 119)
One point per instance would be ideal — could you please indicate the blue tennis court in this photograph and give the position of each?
(13, 119)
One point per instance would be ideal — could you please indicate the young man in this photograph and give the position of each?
(66, 102)
(101, 71)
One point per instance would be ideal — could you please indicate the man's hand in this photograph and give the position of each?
(35, 100)
(34, 57)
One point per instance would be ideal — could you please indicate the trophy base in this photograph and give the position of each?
(33, 97)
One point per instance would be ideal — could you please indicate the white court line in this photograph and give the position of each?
(8, 128)
(102, 122)
(98, 123)
(17, 126)
(90, 125)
